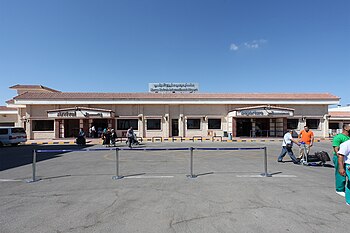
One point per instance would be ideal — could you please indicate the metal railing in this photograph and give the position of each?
(118, 150)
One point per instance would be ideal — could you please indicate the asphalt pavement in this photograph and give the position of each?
(77, 193)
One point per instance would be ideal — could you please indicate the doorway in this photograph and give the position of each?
(100, 125)
(174, 127)
(244, 127)
(262, 127)
(71, 128)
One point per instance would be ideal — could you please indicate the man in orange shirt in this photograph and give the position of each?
(306, 137)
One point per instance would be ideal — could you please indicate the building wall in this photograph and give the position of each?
(181, 112)
(43, 135)
(8, 118)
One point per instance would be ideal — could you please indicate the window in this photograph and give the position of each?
(43, 125)
(292, 123)
(214, 123)
(3, 131)
(124, 124)
(333, 126)
(153, 124)
(313, 123)
(7, 124)
(18, 130)
(193, 123)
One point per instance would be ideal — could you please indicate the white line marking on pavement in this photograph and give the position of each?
(281, 176)
(147, 177)
(8, 180)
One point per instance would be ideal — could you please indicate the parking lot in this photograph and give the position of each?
(76, 192)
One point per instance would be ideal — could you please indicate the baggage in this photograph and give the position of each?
(80, 140)
(318, 159)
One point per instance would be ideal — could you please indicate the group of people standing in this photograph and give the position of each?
(341, 155)
(109, 137)
(305, 141)
(341, 159)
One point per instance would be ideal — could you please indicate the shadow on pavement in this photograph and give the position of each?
(11, 157)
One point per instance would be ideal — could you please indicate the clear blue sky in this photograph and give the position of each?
(224, 45)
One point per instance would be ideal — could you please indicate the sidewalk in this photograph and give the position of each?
(96, 141)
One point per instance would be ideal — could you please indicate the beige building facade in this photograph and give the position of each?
(8, 116)
(48, 113)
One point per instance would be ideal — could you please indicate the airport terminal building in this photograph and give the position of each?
(46, 113)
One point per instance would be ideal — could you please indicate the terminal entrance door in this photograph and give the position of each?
(71, 128)
(100, 125)
(244, 127)
(262, 127)
(174, 127)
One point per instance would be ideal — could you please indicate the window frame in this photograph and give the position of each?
(50, 128)
(127, 126)
(193, 119)
(294, 121)
(218, 119)
(152, 120)
(310, 125)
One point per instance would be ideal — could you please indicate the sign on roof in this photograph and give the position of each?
(173, 87)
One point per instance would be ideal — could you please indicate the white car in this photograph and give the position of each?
(12, 136)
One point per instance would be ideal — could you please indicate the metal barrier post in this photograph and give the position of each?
(33, 169)
(265, 164)
(117, 176)
(191, 164)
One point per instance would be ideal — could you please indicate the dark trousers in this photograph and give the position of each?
(286, 150)
(130, 140)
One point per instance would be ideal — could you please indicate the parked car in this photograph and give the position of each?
(12, 136)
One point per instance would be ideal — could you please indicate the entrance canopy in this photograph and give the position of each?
(80, 112)
(262, 111)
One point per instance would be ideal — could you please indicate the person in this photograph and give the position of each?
(90, 132)
(81, 137)
(337, 141)
(306, 138)
(113, 137)
(106, 137)
(287, 145)
(344, 166)
(257, 131)
(130, 136)
(81, 133)
(93, 131)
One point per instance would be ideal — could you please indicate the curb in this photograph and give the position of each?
(169, 140)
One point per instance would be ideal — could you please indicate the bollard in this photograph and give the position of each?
(265, 164)
(191, 164)
(33, 169)
(117, 176)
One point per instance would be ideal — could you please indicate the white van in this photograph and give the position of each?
(12, 135)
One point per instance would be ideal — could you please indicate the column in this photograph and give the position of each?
(234, 127)
(57, 128)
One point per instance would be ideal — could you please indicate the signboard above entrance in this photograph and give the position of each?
(79, 113)
(263, 111)
(173, 87)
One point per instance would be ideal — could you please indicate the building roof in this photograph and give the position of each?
(32, 87)
(139, 96)
(81, 98)
(340, 114)
(340, 109)
(5, 108)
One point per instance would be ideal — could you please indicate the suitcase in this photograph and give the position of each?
(318, 159)
(81, 140)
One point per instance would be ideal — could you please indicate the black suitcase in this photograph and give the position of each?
(317, 159)
(81, 140)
